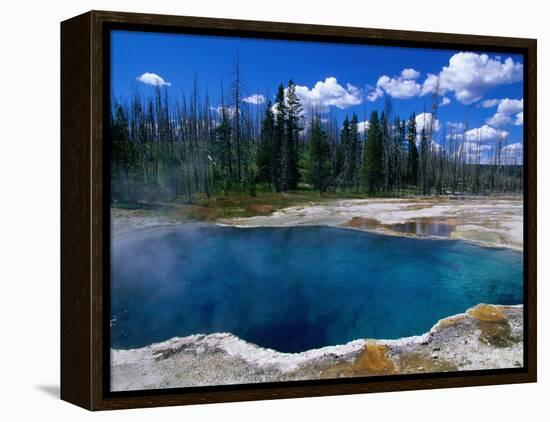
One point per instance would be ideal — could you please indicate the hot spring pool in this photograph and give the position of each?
(294, 289)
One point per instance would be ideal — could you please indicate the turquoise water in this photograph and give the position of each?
(294, 289)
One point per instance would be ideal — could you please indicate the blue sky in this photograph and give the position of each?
(483, 89)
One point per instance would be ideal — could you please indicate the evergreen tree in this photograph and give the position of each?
(373, 164)
(412, 156)
(172, 150)
(279, 138)
(349, 150)
(265, 164)
(316, 162)
(386, 148)
(289, 151)
(355, 151)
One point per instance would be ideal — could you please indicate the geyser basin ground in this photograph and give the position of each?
(297, 288)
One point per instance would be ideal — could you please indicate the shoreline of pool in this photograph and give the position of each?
(483, 337)
(488, 222)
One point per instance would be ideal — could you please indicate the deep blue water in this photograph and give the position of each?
(293, 289)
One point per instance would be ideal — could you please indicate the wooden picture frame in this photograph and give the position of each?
(84, 218)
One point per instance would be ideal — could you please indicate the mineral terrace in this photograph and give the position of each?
(495, 222)
(485, 337)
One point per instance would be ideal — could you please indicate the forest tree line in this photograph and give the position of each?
(163, 149)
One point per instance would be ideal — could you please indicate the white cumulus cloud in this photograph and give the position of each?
(153, 79)
(254, 99)
(485, 133)
(362, 127)
(506, 108)
(329, 93)
(424, 120)
(445, 101)
(470, 75)
(490, 103)
(403, 86)
(475, 152)
(499, 120)
(410, 73)
(374, 93)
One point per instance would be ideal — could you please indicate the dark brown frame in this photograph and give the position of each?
(83, 220)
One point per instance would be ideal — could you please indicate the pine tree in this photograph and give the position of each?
(174, 150)
(355, 151)
(294, 111)
(373, 165)
(266, 170)
(316, 162)
(412, 156)
(280, 143)
(386, 148)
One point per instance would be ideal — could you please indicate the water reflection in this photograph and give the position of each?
(424, 228)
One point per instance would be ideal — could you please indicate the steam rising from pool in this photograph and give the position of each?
(297, 288)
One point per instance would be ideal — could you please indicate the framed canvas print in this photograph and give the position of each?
(258, 210)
